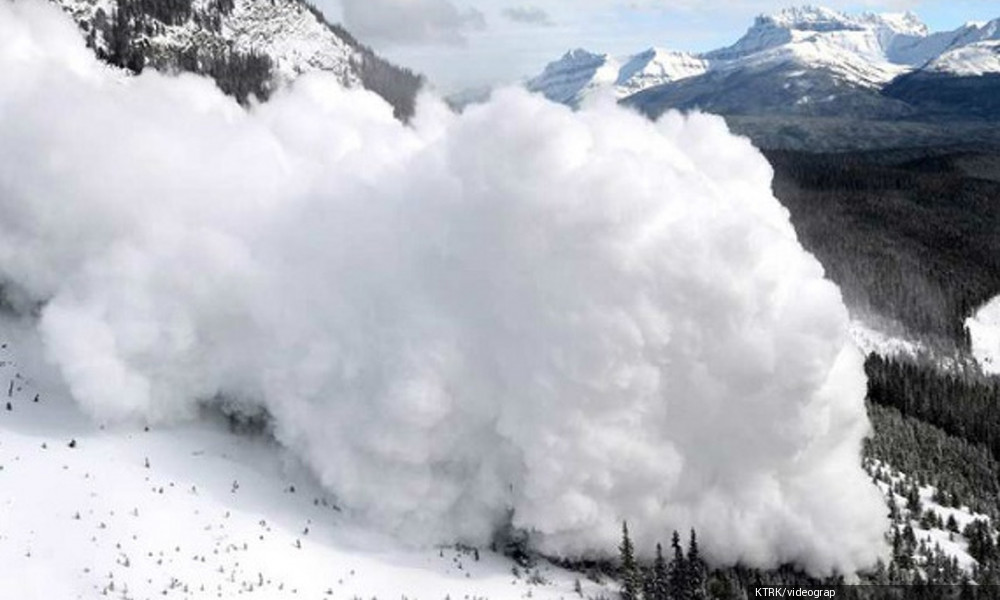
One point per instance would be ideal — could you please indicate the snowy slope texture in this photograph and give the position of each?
(194, 512)
(807, 61)
(984, 334)
(520, 316)
(575, 75)
(579, 74)
(976, 51)
(249, 47)
(656, 66)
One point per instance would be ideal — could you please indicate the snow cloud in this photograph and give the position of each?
(573, 318)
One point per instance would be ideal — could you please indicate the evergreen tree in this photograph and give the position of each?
(629, 571)
(659, 582)
(677, 587)
(913, 502)
(695, 570)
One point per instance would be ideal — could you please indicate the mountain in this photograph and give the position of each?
(574, 76)
(248, 47)
(804, 62)
(579, 73)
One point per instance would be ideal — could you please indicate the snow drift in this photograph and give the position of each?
(562, 318)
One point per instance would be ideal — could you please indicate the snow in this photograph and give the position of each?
(292, 36)
(854, 56)
(815, 18)
(984, 333)
(656, 66)
(284, 30)
(972, 60)
(195, 511)
(580, 74)
(952, 544)
(873, 341)
(576, 75)
(865, 50)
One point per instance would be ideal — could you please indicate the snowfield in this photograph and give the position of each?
(196, 511)
(872, 340)
(984, 332)
(952, 544)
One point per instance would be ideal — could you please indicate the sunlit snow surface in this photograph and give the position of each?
(213, 515)
(984, 331)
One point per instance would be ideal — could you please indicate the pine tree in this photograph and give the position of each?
(677, 580)
(952, 524)
(629, 571)
(659, 583)
(913, 502)
(695, 570)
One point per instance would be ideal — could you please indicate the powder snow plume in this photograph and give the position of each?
(573, 318)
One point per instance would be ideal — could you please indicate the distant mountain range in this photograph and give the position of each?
(805, 63)
(249, 47)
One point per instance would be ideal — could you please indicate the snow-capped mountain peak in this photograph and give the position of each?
(579, 73)
(656, 66)
(817, 55)
(869, 35)
(575, 75)
(807, 18)
(905, 23)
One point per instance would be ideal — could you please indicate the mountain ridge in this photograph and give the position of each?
(249, 48)
(808, 61)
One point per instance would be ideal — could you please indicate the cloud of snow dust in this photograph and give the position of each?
(573, 317)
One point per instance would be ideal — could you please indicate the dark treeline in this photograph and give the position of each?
(963, 473)
(243, 75)
(966, 407)
(397, 85)
(683, 576)
(915, 570)
(240, 75)
(916, 240)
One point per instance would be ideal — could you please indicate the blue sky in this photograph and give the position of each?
(469, 43)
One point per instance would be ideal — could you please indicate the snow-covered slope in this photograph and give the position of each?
(935, 539)
(971, 60)
(822, 53)
(863, 37)
(984, 333)
(195, 511)
(656, 66)
(574, 76)
(225, 39)
(873, 341)
(284, 30)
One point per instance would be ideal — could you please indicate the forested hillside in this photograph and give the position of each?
(910, 236)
